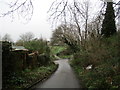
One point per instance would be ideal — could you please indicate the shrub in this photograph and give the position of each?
(37, 45)
(43, 59)
(81, 59)
(116, 81)
(104, 55)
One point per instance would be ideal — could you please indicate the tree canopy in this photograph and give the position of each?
(108, 26)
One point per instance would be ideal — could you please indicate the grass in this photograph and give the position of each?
(57, 49)
(63, 52)
(66, 56)
(29, 77)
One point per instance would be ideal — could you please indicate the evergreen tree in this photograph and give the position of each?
(108, 26)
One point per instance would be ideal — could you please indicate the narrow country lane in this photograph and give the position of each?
(64, 77)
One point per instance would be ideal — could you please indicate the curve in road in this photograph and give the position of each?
(64, 77)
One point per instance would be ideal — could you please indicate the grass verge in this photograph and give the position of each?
(28, 77)
(104, 56)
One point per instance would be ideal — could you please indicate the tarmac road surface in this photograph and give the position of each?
(64, 77)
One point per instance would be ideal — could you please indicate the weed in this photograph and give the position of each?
(104, 55)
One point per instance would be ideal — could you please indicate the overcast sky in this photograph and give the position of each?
(38, 24)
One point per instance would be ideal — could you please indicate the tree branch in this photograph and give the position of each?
(24, 9)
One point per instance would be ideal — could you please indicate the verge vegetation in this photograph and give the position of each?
(62, 52)
(22, 68)
(99, 65)
(94, 41)
(29, 77)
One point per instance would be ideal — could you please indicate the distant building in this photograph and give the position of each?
(17, 48)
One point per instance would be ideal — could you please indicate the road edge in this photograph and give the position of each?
(82, 85)
(43, 79)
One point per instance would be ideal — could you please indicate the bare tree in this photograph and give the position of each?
(26, 36)
(57, 36)
(94, 27)
(6, 37)
(20, 8)
(68, 34)
(65, 10)
(76, 12)
(83, 11)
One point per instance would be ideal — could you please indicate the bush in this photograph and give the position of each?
(104, 55)
(6, 46)
(37, 45)
(43, 59)
(116, 81)
(81, 59)
(43, 55)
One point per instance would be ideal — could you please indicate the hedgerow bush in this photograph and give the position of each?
(104, 56)
(39, 45)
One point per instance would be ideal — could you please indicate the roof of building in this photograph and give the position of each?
(18, 48)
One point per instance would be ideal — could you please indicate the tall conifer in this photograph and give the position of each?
(108, 26)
